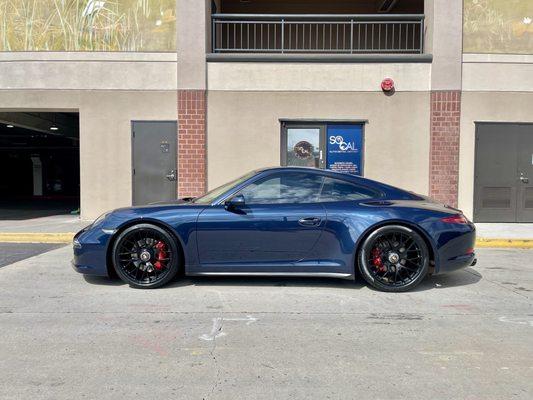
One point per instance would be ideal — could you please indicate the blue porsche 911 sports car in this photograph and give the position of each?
(282, 221)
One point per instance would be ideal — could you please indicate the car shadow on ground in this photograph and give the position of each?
(465, 277)
(252, 281)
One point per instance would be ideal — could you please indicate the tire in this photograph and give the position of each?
(146, 256)
(393, 258)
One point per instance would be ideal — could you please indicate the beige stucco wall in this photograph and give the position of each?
(335, 77)
(498, 72)
(485, 106)
(244, 131)
(105, 135)
(88, 71)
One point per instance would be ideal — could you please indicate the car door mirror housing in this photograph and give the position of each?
(235, 202)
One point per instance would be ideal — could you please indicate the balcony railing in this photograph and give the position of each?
(313, 33)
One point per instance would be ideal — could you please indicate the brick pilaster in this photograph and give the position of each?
(444, 153)
(191, 142)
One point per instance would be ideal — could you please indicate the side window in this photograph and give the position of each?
(338, 190)
(283, 188)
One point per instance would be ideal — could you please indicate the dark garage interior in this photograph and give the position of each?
(40, 164)
(319, 6)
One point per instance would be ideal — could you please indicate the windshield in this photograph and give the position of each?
(213, 194)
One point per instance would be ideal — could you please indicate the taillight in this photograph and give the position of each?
(455, 219)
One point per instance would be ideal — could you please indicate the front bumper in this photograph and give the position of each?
(90, 247)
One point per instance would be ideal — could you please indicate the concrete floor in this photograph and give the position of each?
(48, 224)
(24, 209)
(468, 335)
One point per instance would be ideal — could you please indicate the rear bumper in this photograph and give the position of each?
(457, 251)
(457, 263)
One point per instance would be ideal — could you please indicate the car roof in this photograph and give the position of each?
(327, 172)
(383, 187)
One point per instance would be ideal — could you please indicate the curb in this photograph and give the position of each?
(505, 243)
(66, 238)
(55, 238)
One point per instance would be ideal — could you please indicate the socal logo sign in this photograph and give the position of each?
(343, 146)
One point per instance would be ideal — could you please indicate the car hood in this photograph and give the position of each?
(160, 205)
(185, 200)
(162, 211)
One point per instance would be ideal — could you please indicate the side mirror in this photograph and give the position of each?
(235, 202)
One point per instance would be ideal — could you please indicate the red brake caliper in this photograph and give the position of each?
(376, 260)
(160, 256)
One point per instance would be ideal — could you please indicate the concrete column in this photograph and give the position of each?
(444, 35)
(193, 19)
(446, 18)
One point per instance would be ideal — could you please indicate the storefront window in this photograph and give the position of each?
(88, 25)
(334, 146)
(498, 26)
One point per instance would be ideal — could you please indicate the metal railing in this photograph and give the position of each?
(317, 33)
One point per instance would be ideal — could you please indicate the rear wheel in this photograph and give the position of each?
(145, 256)
(394, 259)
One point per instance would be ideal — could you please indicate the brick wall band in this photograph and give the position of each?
(444, 152)
(191, 143)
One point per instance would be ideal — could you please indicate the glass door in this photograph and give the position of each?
(303, 145)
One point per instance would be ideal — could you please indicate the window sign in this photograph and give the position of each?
(344, 148)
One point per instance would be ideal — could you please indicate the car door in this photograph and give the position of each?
(348, 217)
(278, 225)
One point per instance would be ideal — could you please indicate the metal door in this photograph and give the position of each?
(525, 174)
(503, 170)
(154, 152)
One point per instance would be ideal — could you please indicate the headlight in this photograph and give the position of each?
(76, 244)
(101, 218)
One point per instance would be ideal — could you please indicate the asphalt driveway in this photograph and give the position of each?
(13, 252)
(468, 335)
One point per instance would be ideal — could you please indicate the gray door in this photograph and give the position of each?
(525, 174)
(154, 161)
(503, 168)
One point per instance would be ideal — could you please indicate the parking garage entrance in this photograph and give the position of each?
(40, 164)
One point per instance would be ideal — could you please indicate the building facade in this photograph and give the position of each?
(434, 96)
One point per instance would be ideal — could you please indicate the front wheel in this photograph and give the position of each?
(394, 259)
(145, 256)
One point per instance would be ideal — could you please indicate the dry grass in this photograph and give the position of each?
(69, 25)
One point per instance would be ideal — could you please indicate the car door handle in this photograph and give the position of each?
(311, 221)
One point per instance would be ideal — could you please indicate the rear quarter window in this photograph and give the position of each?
(339, 190)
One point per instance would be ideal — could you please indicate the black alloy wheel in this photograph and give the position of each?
(145, 256)
(394, 259)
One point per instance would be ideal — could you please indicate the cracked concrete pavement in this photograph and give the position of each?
(466, 335)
